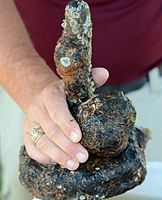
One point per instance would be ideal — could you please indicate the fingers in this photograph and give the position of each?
(58, 137)
(34, 153)
(55, 146)
(58, 111)
(54, 152)
(75, 150)
(62, 133)
(60, 114)
(47, 152)
(100, 75)
(45, 147)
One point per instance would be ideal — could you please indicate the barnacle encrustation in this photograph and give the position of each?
(117, 161)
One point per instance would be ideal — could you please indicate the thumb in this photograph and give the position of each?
(100, 75)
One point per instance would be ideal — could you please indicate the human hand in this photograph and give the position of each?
(60, 144)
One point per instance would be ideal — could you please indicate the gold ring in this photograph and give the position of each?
(35, 134)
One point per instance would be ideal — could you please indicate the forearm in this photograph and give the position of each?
(22, 72)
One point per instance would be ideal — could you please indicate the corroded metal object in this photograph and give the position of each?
(111, 114)
(97, 179)
(106, 121)
(117, 162)
(73, 52)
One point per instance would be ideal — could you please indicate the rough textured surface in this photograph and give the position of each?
(97, 179)
(113, 115)
(73, 52)
(106, 121)
(117, 161)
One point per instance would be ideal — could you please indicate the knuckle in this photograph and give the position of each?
(58, 86)
(59, 115)
(43, 160)
(55, 115)
(52, 134)
(39, 158)
(70, 149)
(61, 160)
(34, 107)
(53, 89)
(42, 144)
(45, 92)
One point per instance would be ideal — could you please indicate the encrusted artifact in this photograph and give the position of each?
(117, 162)
(97, 179)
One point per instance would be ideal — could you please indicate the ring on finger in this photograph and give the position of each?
(35, 134)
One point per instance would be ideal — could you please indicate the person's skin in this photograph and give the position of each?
(40, 94)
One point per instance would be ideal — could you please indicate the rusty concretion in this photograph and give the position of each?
(117, 162)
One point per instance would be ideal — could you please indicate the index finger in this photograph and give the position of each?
(60, 114)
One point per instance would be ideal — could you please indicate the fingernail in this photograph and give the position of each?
(81, 156)
(71, 164)
(74, 136)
